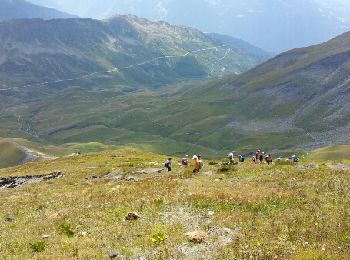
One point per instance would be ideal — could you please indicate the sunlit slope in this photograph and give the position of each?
(299, 99)
(124, 49)
(10, 154)
(336, 152)
(238, 212)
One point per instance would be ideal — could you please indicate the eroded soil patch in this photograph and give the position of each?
(339, 166)
(13, 182)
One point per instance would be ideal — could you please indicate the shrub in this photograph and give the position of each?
(158, 238)
(38, 246)
(66, 229)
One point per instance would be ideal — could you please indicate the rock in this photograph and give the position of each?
(13, 182)
(132, 216)
(115, 255)
(149, 171)
(196, 237)
(10, 218)
(45, 236)
(130, 178)
(227, 231)
(113, 176)
(211, 213)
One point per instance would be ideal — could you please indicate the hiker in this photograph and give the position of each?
(257, 156)
(241, 158)
(254, 159)
(168, 164)
(230, 158)
(198, 163)
(279, 159)
(261, 157)
(269, 159)
(295, 158)
(184, 161)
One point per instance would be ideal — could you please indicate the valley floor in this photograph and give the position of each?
(238, 212)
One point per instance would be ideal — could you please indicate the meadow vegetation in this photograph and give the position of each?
(297, 211)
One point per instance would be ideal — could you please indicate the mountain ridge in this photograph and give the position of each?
(275, 25)
(20, 9)
(71, 47)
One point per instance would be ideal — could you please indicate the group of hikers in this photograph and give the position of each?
(198, 163)
(259, 157)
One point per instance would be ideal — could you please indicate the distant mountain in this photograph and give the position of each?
(300, 98)
(274, 25)
(125, 49)
(18, 9)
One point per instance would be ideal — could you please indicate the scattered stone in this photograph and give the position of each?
(149, 171)
(45, 236)
(227, 231)
(196, 237)
(13, 182)
(130, 178)
(339, 166)
(132, 216)
(10, 218)
(211, 213)
(113, 176)
(115, 255)
(109, 176)
(310, 166)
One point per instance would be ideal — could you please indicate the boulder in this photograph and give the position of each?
(132, 216)
(196, 237)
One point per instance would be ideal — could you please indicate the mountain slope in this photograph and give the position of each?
(297, 99)
(18, 9)
(126, 49)
(273, 25)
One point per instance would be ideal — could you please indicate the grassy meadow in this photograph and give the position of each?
(10, 154)
(295, 211)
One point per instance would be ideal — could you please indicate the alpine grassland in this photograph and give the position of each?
(117, 203)
(10, 154)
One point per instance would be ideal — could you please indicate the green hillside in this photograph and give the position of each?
(335, 152)
(126, 50)
(10, 154)
(296, 100)
(240, 212)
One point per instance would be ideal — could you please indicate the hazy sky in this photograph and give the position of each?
(274, 25)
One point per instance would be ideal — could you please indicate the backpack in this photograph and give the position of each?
(201, 164)
(230, 156)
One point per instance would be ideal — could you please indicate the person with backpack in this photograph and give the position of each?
(168, 164)
(261, 157)
(184, 161)
(196, 164)
(230, 158)
(200, 162)
(257, 156)
(269, 159)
